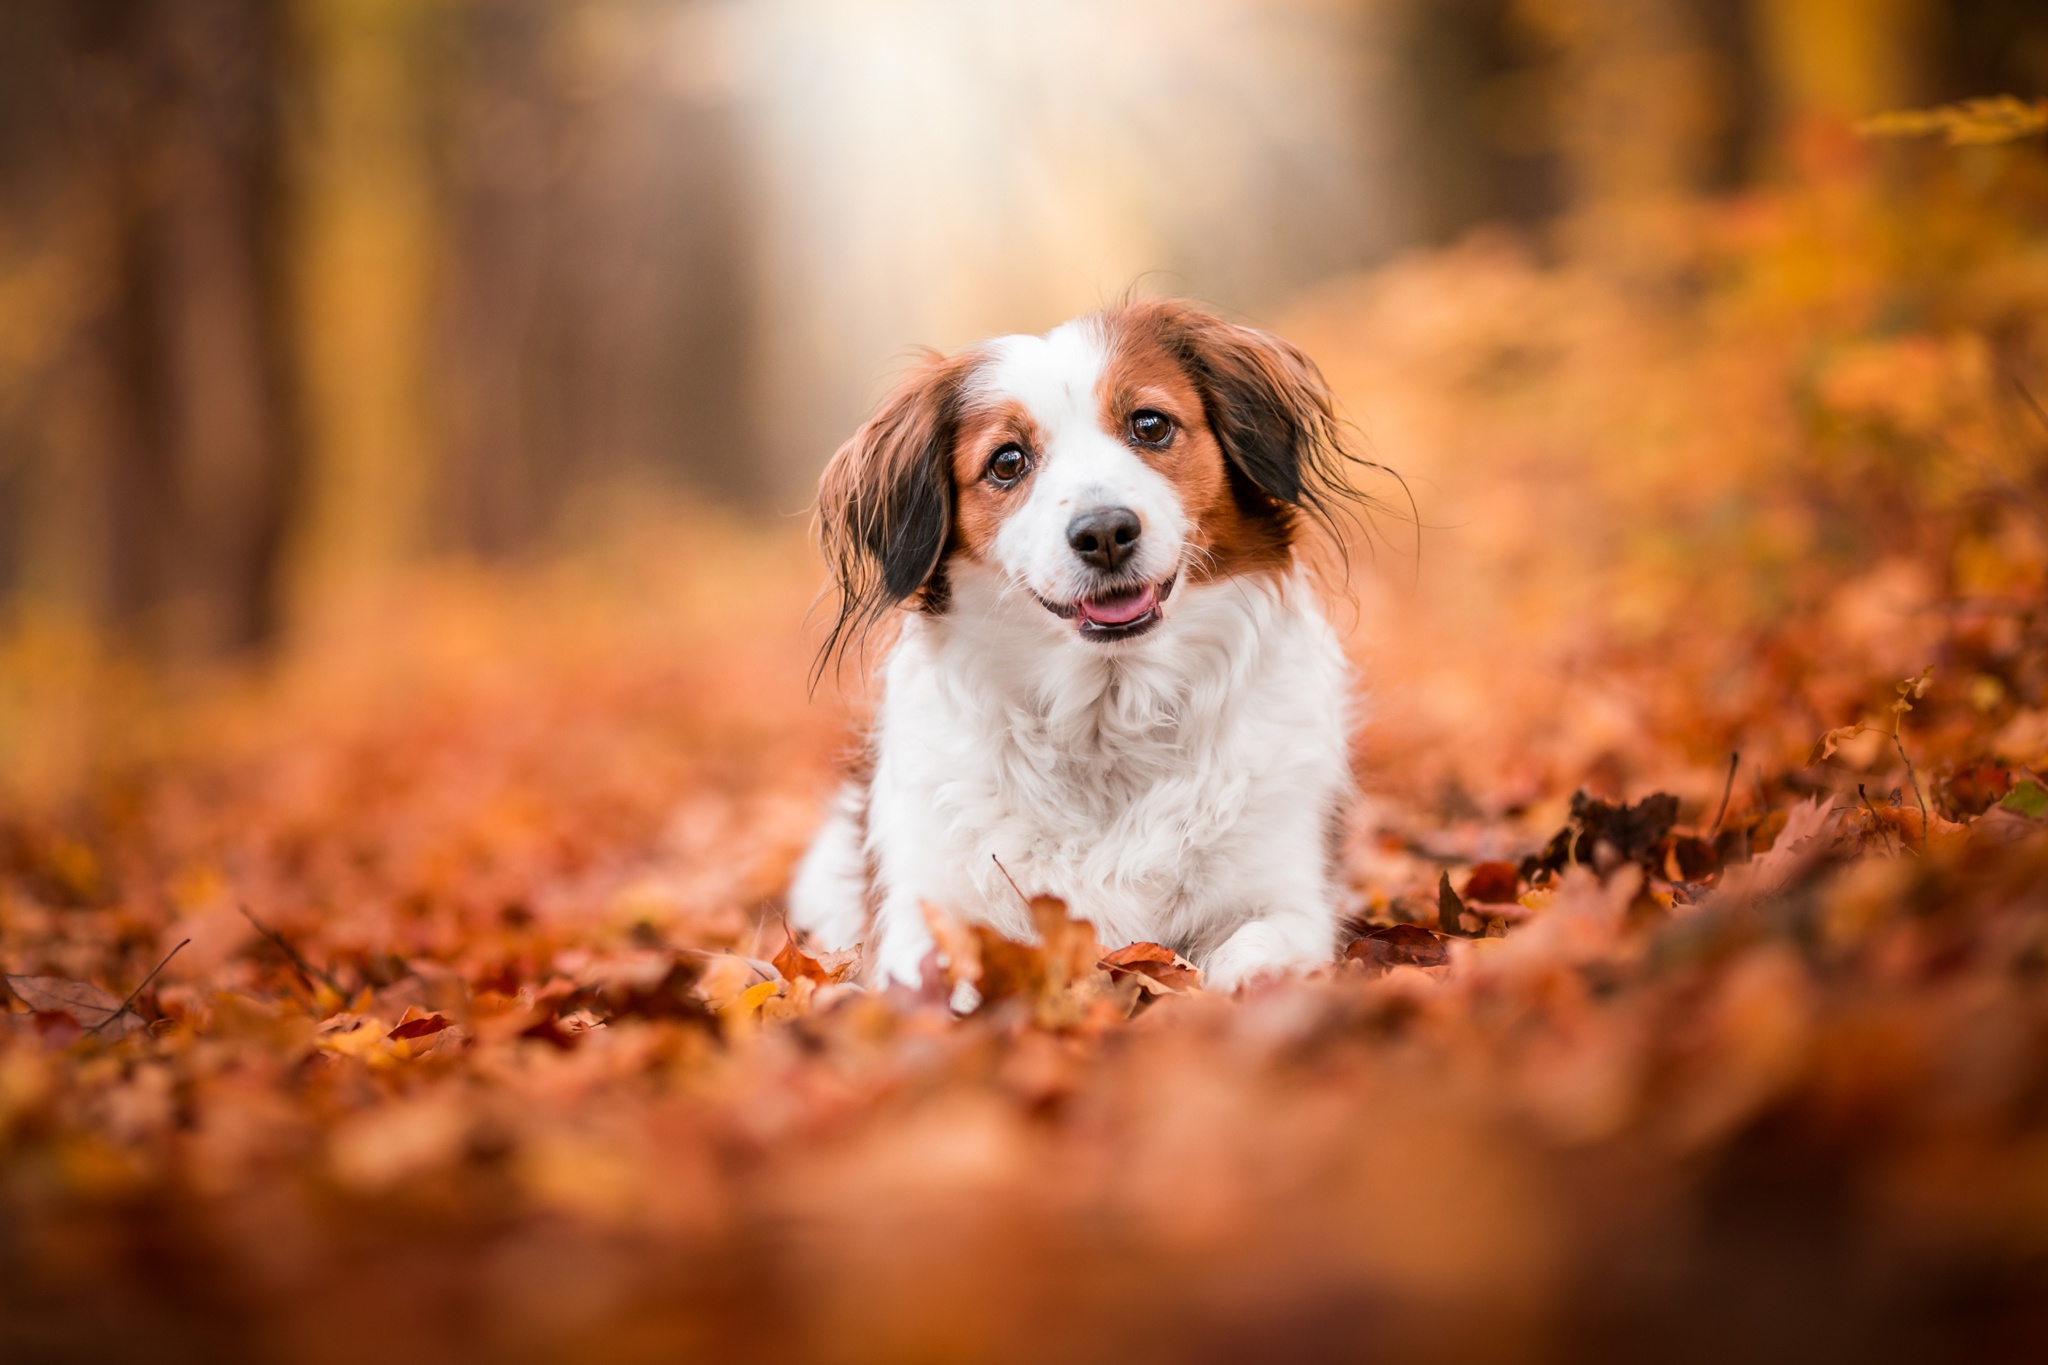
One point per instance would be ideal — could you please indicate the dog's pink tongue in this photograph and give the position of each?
(1120, 611)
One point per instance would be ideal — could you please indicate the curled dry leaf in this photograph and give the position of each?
(1156, 967)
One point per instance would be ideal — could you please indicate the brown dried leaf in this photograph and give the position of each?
(90, 1007)
(1689, 858)
(1156, 967)
(1399, 945)
(1493, 884)
(1633, 831)
(1448, 907)
(421, 1027)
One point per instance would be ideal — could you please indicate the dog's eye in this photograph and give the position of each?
(1008, 464)
(1150, 428)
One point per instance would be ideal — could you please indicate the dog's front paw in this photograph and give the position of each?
(1258, 949)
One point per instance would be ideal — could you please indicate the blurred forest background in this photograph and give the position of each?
(295, 294)
(409, 414)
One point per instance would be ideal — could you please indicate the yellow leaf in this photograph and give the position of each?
(750, 1000)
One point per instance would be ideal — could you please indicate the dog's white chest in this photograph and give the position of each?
(1158, 794)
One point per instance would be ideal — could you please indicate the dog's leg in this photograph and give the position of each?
(902, 940)
(1275, 942)
(828, 899)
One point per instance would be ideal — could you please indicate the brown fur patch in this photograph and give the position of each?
(980, 506)
(1236, 528)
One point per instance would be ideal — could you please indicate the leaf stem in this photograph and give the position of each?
(1914, 778)
(139, 989)
(1875, 823)
(1727, 789)
(1011, 880)
(305, 969)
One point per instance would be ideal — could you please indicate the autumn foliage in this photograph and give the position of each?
(1695, 999)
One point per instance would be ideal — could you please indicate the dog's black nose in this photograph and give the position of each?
(1105, 536)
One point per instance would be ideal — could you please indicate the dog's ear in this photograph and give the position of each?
(885, 502)
(1266, 402)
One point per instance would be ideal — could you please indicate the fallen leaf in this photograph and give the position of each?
(1399, 945)
(1688, 858)
(1006, 968)
(421, 1027)
(1555, 856)
(85, 1004)
(1448, 907)
(1493, 884)
(1157, 967)
(797, 965)
(1977, 788)
(2026, 798)
(1633, 831)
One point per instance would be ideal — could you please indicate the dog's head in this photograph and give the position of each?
(1094, 468)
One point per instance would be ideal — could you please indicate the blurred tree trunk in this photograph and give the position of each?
(600, 294)
(369, 250)
(1518, 110)
(1830, 62)
(184, 375)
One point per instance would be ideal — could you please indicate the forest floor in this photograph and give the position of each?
(1695, 997)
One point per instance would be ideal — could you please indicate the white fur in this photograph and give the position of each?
(1081, 466)
(1179, 787)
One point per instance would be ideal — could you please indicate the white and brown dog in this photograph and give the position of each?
(1114, 681)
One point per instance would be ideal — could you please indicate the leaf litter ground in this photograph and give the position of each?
(486, 1038)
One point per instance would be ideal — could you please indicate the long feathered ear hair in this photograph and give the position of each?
(1269, 406)
(885, 504)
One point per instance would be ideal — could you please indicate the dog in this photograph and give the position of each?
(1113, 681)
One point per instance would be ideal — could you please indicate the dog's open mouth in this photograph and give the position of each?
(1116, 615)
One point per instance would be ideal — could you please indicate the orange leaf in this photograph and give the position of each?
(797, 965)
